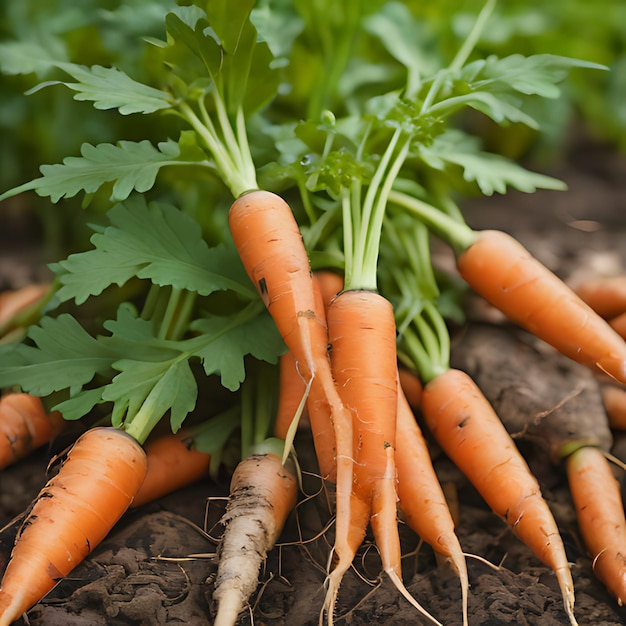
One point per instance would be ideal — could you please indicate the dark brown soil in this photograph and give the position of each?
(157, 565)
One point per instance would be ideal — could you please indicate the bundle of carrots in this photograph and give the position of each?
(334, 252)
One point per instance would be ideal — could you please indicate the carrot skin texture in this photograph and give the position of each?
(600, 512)
(606, 295)
(25, 426)
(362, 336)
(72, 514)
(171, 466)
(412, 388)
(291, 389)
(618, 324)
(503, 272)
(270, 246)
(422, 500)
(614, 399)
(473, 437)
(262, 494)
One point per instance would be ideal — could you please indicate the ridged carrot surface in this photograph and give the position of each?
(71, 515)
(502, 271)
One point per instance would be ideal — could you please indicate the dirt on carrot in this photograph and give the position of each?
(262, 494)
(71, 515)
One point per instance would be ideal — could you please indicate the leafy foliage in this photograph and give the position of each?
(334, 104)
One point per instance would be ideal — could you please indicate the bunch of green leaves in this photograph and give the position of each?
(229, 82)
(140, 364)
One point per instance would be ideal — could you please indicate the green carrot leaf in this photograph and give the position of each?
(225, 341)
(491, 172)
(110, 88)
(130, 165)
(60, 354)
(26, 56)
(156, 242)
(530, 75)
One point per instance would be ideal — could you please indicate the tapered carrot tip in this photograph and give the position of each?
(600, 513)
(71, 515)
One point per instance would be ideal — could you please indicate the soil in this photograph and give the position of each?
(156, 566)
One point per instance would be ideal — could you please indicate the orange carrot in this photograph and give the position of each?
(172, 464)
(600, 512)
(473, 437)
(606, 295)
(270, 245)
(25, 426)
(411, 387)
(13, 301)
(291, 390)
(422, 500)
(262, 494)
(503, 272)
(329, 284)
(71, 515)
(618, 324)
(614, 399)
(362, 335)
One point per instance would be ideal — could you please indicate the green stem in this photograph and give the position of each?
(458, 234)
(150, 303)
(471, 40)
(374, 231)
(369, 217)
(348, 237)
(460, 58)
(170, 313)
(181, 322)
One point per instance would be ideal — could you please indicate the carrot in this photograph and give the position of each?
(25, 426)
(329, 284)
(618, 324)
(172, 464)
(262, 494)
(16, 301)
(600, 512)
(547, 400)
(362, 335)
(270, 245)
(421, 497)
(606, 295)
(71, 515)
(503, 272)
(614, 399)
(291, 391)
(471, 434)
(411, 386)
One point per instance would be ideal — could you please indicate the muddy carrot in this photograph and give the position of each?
(262, 494)
(71, 515)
